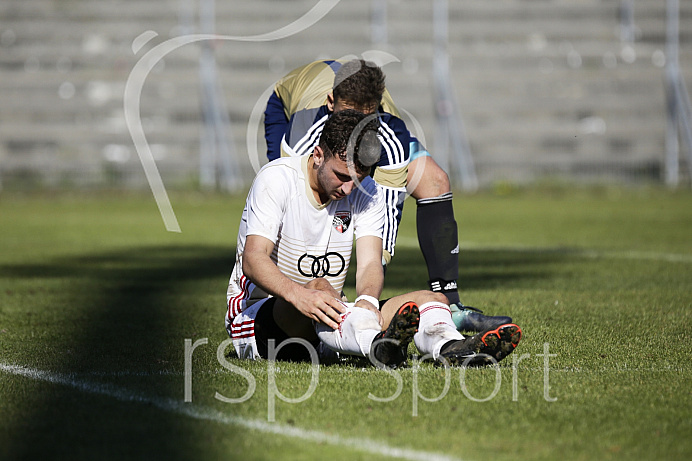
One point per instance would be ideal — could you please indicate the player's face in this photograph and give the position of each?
(336, 178)
(338, 106)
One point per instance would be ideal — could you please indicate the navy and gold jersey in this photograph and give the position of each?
(294, 119)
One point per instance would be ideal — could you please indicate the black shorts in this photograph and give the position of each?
(266, 329)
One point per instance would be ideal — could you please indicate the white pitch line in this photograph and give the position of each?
(210, 414)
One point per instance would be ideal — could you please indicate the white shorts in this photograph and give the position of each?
(245, 340)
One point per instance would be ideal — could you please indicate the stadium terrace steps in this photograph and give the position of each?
(542, 86)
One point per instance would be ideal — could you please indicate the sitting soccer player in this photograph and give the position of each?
(294, 249)
(295, 115)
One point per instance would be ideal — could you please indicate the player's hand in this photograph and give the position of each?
(367, 305)
(322, 307)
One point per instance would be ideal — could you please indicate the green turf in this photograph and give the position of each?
(95, 292)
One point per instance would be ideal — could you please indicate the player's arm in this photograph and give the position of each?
(391, 175)
(303, 87)
(369, 272)
(394, 199)
(258, 267)
(275, 125)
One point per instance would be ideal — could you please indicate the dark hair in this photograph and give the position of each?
(352, 136)
(359, 83)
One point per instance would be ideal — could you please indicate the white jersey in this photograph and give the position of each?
(310, 240)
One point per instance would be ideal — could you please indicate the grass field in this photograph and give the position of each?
(97, 301)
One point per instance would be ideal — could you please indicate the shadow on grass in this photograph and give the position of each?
(128, 312)
(112, 316)
(478, 269)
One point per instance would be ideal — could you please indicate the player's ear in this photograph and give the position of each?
(318, 156)
(330, 101)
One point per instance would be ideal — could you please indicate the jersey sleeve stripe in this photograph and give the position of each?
(311, 138)
(395, 150)
(391, 225)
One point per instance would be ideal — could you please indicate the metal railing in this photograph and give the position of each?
(679, 110)
(218, 161)
(449, 127)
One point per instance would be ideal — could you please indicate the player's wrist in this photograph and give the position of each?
(370, 299)
(296, 294)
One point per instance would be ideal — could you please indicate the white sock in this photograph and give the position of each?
(355, 334)
(436, 328)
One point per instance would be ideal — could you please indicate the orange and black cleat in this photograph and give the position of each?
(389, 348)
(484, 348)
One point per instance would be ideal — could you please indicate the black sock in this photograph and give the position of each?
(439, 242)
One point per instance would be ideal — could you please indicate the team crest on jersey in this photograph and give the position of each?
(342, 219)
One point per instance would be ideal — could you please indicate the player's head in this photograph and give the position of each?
(351, 136)
(347, 150)
(358, 84)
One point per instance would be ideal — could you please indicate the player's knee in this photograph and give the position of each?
(427, 296)
(438, 180)
(321, 284)
(431, 180)
(437, 297)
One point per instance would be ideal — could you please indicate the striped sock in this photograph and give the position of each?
(436, 328)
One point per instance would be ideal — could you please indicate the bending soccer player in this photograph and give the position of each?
(295, 115)
(293, 252)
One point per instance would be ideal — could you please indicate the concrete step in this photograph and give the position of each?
(538, 83)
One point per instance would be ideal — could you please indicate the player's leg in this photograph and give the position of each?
(484, 348)
(390, 346)
(277, 320)
(292, 321)
(439, 241)
(358, 329)
(436, 226)
(253, 329)
(438, 337)
(267, 329)
(436, 327)
(360, 334)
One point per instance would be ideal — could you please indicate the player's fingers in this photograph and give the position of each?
(333, 313)
(380, 319)
(366, 305)
(322, 317)
(338, 305)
